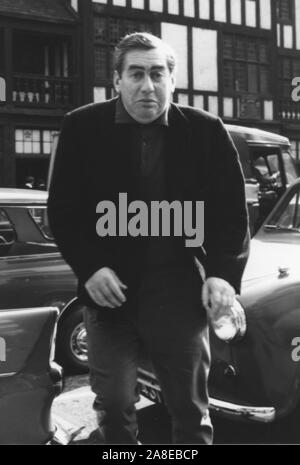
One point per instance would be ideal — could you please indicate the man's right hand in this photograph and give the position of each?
(105, 288)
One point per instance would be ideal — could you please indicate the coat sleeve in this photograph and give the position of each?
(70, 210)
(226, 237)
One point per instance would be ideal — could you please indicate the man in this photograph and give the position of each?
(145, 293)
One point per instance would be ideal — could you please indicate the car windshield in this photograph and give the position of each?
(287, 217)
(291, 174)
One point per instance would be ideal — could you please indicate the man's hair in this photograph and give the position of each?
(142, 41)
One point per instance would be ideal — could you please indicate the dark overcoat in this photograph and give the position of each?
(93, 164)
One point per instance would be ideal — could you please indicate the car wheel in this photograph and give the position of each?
(71, 342)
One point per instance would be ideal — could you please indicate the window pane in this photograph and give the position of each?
(286, 89)
(19, 147)
(228, 76)
(240, 50)
(27, 135)
(36, 136)
(115, 30)
(7, 233)
(40, 217)
(46, 147)
(290, 170)
(252, 52)
(228, 47)
(263, 53)
(264, 79)
(296, 67)
(19, 134)
(241, 77)
(129, 27)
(27, 147)
(36, 148)
(46, 136)
(286, 68)
(284, 12)
(253, 78)
(101, 71)
(100, 30)
(289, 215)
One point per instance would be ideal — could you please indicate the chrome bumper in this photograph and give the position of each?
(219, 407)
(243, 412)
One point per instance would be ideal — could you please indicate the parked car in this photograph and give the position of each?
(29, 379)
(268, 169)
(33, 273)
(257, 377)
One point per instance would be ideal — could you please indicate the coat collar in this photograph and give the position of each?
(179, 158)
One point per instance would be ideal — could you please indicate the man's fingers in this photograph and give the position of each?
(115, 289)
(100, 299)
(120, 283)
(110, 296)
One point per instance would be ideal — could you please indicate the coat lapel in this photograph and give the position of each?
(179, 159)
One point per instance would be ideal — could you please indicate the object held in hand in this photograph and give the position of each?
(228, 323)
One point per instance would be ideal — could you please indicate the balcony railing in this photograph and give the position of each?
(289, 110)
(42, 91)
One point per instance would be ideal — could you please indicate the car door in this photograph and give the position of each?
(27, 387)
(32, 272)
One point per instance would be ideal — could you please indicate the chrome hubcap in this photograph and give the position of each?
(78, 342)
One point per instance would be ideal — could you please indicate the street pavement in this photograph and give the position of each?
(72, 410)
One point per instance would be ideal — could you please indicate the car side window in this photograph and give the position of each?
(267, 170)
(40, 217)
(7, 232)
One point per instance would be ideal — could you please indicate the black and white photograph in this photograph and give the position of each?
(149, 225)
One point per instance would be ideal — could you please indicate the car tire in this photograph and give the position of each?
(71, 348)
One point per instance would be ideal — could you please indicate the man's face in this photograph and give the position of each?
(145, 85)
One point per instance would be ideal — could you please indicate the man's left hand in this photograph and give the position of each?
(217, 294)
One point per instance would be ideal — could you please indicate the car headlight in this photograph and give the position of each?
(229, 324)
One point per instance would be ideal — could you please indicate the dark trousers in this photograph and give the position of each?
(168, 321)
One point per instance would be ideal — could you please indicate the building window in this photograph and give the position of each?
(284, 11)
(246, 65)
(289, 68)
(107, 32)
(34, 141)
(41, 54)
